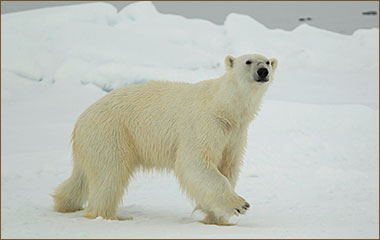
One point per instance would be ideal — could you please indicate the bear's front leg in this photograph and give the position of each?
(232, 158)
(204, 183)
(210, 216)
(229, 166)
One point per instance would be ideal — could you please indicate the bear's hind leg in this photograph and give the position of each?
(106, 192)
(71, 195)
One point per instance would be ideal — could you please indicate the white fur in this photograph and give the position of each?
(198, 130)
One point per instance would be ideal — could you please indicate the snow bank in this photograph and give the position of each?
(92, 43)
(79, 46)
(306, 46)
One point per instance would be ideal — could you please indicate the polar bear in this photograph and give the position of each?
(197, 130)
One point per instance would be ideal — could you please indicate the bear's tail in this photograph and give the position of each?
(72, 194)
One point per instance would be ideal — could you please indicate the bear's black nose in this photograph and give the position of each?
(262, 72)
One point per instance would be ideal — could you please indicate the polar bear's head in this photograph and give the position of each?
(254, 68)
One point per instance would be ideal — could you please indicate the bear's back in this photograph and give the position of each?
(154, 115)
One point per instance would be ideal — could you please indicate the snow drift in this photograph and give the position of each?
(93, 43)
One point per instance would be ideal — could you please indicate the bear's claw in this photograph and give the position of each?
(242, 209)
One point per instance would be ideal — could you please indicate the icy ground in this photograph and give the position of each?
(312, 163)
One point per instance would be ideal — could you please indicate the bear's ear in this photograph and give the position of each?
(274, 63)
(229, 62)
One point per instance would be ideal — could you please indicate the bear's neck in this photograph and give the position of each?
(237, 102)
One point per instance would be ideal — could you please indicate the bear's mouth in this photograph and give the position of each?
(262, 80)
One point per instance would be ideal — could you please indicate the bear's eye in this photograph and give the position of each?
(267, 62)
(248, 62)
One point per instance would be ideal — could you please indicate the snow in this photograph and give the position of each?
(311, 168)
